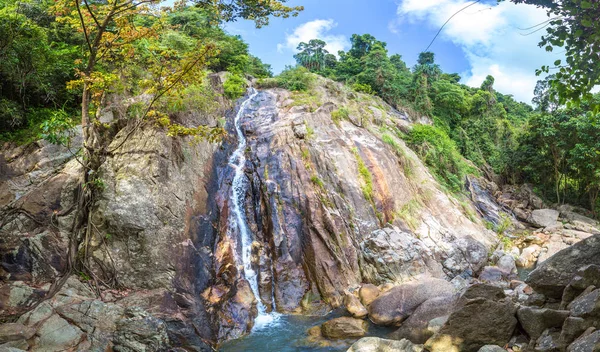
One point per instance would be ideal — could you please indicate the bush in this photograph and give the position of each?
(440, 153)
(296, 78)
(11, 115)
(363, 88)
(340, 114)
(235, 86)
(267, 83)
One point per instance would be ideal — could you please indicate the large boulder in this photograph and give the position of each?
(476, 322)
(552, 276)
(587, 276)
(587, 305)
(587, 343)
(376, 344)
(544, 217)
(400, 302)
(343, 328)
(417, 328)
(393, 255)
(536, 321)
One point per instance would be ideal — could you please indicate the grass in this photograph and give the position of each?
(317, 181)
(408, 213)
(306, 98)
(310, 132)
(365, 176)
(405, 160)
(340, 114)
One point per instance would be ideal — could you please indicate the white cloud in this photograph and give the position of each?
(492, 39)
(316, 29)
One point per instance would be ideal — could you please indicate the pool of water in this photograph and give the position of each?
(288, 334)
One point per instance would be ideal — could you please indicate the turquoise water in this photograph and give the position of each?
(288, 334)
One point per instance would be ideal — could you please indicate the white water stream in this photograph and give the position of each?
(239, 186)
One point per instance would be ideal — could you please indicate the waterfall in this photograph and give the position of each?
(239, 186)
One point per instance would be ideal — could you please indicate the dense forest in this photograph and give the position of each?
(43, 54)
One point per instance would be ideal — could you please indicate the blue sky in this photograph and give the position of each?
(486, 38)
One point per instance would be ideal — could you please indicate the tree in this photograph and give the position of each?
(312, 55)
(363, 44)
(120, 38)
(572, 25)
(255, 10)
(545, 95)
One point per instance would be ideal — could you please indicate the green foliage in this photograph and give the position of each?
(340, 114)
(409, 213)
(234, 87)
(365, 176)
(362, 88)
(560, 152)
(295, 79)
(310, 132)
(505, 224)
(440, 153)
(58, 129)
(572, 28)
(312, 55)
(317, 181)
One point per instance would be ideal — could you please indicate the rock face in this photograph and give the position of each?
(552, 276)
(393, 255)
(376, 344)
(330, 207)
(400, 302)
(481, 318)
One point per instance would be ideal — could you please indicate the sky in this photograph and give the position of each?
(486, 38)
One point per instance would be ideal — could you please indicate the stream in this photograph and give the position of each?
(272, 331)
(289, 335)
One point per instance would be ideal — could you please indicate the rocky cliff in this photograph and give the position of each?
(334, 198)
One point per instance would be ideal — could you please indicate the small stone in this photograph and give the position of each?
(548, 341)
(354, 307)
(535, 299)
(344, 327)
(368, 293)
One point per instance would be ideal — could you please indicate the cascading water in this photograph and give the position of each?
(239, 186)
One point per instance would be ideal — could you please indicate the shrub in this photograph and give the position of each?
(365, 176)
(340, 114)
(440, 153)
(296, 78)
(363, 88)
(234, 87)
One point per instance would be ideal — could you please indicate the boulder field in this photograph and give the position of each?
(343, 214)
